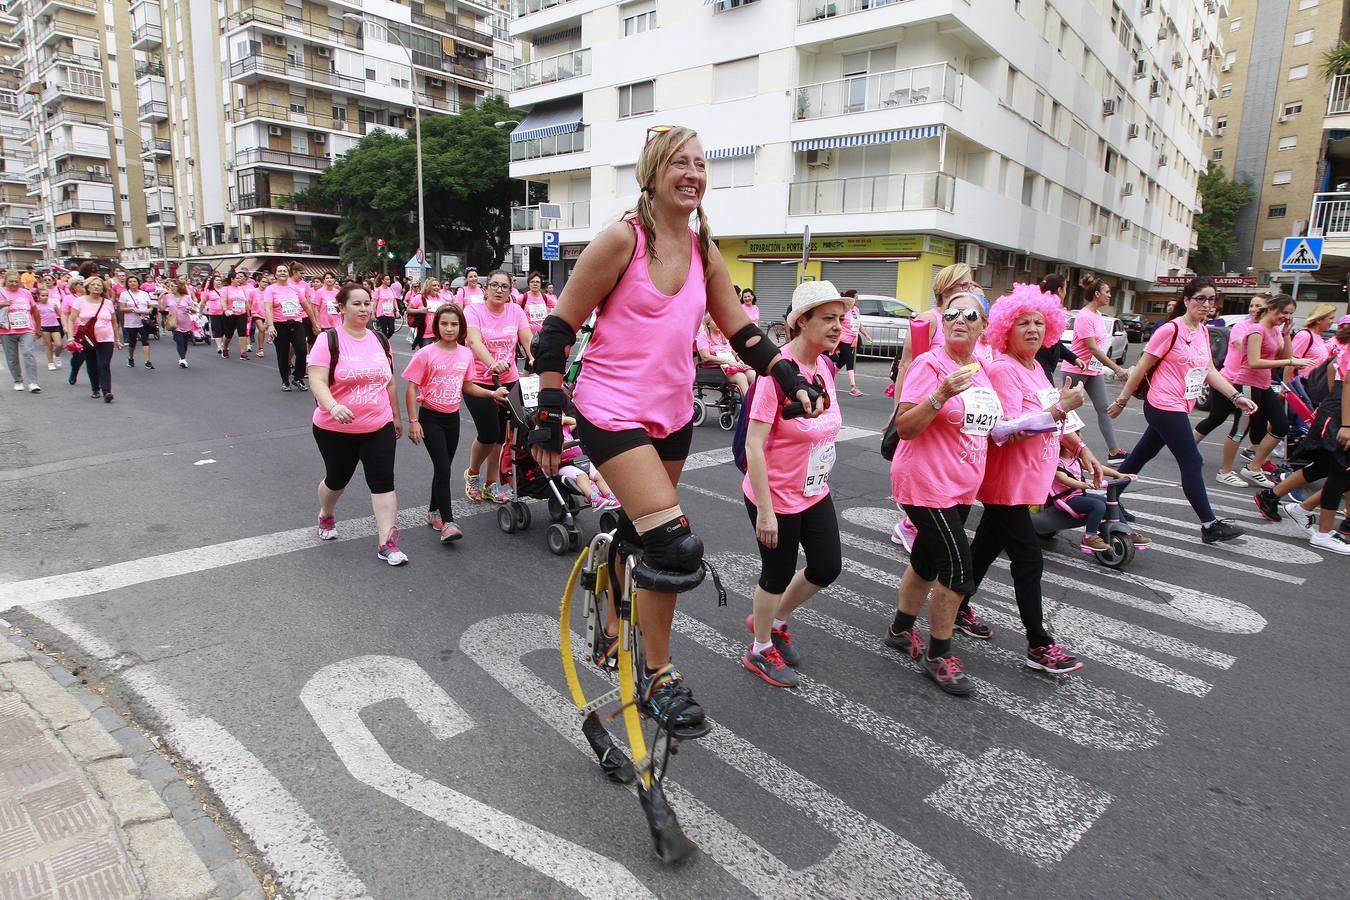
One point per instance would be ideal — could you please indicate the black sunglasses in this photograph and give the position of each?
(971, 315)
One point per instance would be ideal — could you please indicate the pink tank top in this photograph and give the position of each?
(638, 370)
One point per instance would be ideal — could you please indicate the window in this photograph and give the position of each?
(298, 105)
(339, 114)
(732, 173)
(1277, 211)
(1028, 188)
(1293, 108)
(1284, 176)
(1306, 4)
(1226, 90)
(1298, 72)
(637, 99)
(1271, 245)
(1038, 109)
(1230, 58)
(1289, 142)
(1220, 126)
(1303, 37)
(1077, 137)
(1109, 161)
(639, 17)
(1010, 87)
(370, 74)
(736, 79)
(1218, 153)
(625, 180)
(1235, 24)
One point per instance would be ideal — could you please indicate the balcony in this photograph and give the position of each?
(75, 235)
(10, 176)
(320, 32)
(153, 111)
(158, 182)
(1338, 103)
(896, 89)
(468, 35)
(574, 215)
(295, 245)
(816, 10)
(150, 67)
(49, 7)
(70, 175)
(85, 205)
(258, 68)
(525, 7)
(147, 36)
(573, 64)
(261, 156)
(555, 145)
(55, 29)
(1330, 219)
(154, 149)
(440, 63)
(253, 204)
(63, 90)
(58, 149)
(872, 193)
(66, 117)
(92, 63)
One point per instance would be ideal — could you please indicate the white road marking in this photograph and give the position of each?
(204, 462)
(1074, 710)
(722, 455)
(336, 695)
(1247, 545)
(868, 860)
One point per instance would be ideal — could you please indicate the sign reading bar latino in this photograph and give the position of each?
(1222, 281)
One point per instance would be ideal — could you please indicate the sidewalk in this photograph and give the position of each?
(81, 811)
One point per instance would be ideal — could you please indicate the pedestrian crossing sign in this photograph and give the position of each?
(1301, 254)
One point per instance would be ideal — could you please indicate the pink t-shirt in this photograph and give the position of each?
(1175, 382)
(432, 302)
(360, 382)
(1310, 346)
(257, 307)
(235, 300)
(67, 304)
(1087, 323)
(799, 452)
(1235, 367)
(303, 288)
(500, 333)
(440, 375)
(1342, 367)
(136, 308)
(23, 312)
(47, 313)
(751, 310)
(214, 306)
(536, 310)
(848, 330)
(1020, 472)
(86, 308)
(325, 300)
(286, 302)
(944, 464)
(386, 301)
(182, 309)
(643, 339)
(467, 295)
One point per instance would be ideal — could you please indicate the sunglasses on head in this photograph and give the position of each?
(951, 315)
(657, 129)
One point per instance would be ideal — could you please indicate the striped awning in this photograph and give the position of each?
(876, 137)
(547, 120)
(729, 152)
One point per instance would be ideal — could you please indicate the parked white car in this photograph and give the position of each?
(1116, 328)
(886, 320)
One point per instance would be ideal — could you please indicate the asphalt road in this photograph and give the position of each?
(401, 732)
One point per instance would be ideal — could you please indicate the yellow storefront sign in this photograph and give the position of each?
(852, 245)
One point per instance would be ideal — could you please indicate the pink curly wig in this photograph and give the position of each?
(1024, 298)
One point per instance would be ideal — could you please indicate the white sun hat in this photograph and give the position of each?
(810, 294)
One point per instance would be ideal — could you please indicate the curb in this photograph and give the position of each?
(174, 847)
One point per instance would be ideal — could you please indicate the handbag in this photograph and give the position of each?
(85, 332)
(890, 439)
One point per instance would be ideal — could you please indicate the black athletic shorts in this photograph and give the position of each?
(374, 450)
(601, 446)
(217, 325)
(489, 416)
(941, 550)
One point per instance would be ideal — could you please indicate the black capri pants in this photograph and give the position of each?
(341, 451)
(941, 551)
(844, 356)
(1269, 416)
(489, 416)
(217, 325)
(233, 325)
(814, 529)
(600, 446)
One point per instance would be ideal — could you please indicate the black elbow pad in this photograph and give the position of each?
(552, 345)
(758, 355)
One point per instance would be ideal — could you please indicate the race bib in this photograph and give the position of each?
(386, 308)
(538, 313)
(1195, 380)
(1094, 365)
(529, 391)
(725, 358)
(332, 306)
(18, 318)
(982, 410)
(1048, 397)
(818, 467)
(433, 305)
(290, 308)
(237, 306)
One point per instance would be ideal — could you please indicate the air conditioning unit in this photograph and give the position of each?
(435, 82)
(1226, 67)
(1176, 60)
(1146, 7)
(973, 255)
(107, 220)
(470, 53)
(319, 138)
(322, 52)
(1141, 69)
(274, 130)
(1195, 33)
(1162, 159)
(1283, 119)
(1126, 190)
(1210, 6)
(1190, 81)
(1108, 107)
(1155, 89)
(1124, 224)
(1095, 239)
(817, 159)
(1162, 33)
(279, 40)
(1134, 131)
(409, 112)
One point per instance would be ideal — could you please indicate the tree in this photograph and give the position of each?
(1221, 201)
(1336, 61)
(466, 189)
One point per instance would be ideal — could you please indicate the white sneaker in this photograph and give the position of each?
(1300, 516)
(34, 389)
(51, 367)
(18, 385)
(1231, 479)
(904, 534)
(1260, 479)
(58, 363)
(1330, 540)
(182, 364)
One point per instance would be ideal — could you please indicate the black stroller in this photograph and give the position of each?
(522, 474)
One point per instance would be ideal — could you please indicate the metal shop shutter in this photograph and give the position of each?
(774, 284)
(865, 276)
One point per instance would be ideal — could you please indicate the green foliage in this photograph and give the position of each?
(1336, 61)
(1221, 200)
(466, 189)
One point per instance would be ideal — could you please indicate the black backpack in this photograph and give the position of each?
(1317, 383)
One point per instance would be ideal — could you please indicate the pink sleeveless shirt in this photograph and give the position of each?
(638, 370)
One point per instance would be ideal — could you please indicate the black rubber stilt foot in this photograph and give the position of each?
(613, 762)
(668, 838)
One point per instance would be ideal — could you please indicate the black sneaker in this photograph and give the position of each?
(1344, 527)
(605, 655)
(949, 674)
(286, 386)
(907, 642)
(1220, 530)
(149, 364)
(300, 384)
(666, 699)
(1268, 504)
(973, 625)
(131, 363)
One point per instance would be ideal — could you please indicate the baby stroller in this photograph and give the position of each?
(522, 474)
(726, 400)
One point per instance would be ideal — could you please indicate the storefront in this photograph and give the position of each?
(1235, 293)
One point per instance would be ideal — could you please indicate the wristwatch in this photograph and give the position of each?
(934, 402)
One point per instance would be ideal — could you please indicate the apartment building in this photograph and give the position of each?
(1021, 136)
(16, 207)
(1269, 128)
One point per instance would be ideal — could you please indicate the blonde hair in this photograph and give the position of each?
(949, 277)
(655, 156)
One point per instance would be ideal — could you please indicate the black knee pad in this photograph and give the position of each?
(626, 541)
(672, 547)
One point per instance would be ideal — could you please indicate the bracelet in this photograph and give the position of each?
(933, 402)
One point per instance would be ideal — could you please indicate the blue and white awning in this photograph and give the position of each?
(548, 120)
(730, 152)
(877, 137)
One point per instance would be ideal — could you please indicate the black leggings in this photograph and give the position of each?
(489, 417)
(385, 325)
(1172, 429)
(291, 334)
(1008, 528)
(440, 435)
(1337, 479)
(1269, 415)
(814, 529)
(131, 335)
(941, 552)
(844, 356)
(341, 451)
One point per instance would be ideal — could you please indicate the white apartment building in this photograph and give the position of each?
(1018, 135)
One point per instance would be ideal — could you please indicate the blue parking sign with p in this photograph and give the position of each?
(551, 246)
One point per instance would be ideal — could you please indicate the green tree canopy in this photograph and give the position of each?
(466, 188)
(1221, 200)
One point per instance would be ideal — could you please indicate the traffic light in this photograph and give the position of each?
(391, 254)
(380, 243)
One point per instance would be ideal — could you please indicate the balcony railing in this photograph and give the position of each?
(65, 116)
(525, 7)
(261, 156)
(287, 245)
(77, 204)
(281, 201)
(154, 148)
(147, 35)
(321, 31)
(574, 215)
(250, 65)
(814, 10)
(872, 193)
(70, 89)
(55, 27)
(1338, 99)
(449, 65)
(71, 235)
(158, 181)
(91, 177)
(483, 39)
(88, 6)
(69, 59)
(150, 67)
(572, 64)
(158, 110)
(78, 148)
(555, 145)
(896, 89)
(1330, 215)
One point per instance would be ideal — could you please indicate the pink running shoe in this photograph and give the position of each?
(1054, 659)
(904, 534)
(327, 527)
(389, 552)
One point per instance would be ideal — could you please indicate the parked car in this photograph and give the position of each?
(886, 320)
(1118, 344)
(1134, 327)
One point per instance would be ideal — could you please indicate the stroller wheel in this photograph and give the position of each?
(727, 420)
(1120, 554)
(506, 520)
(521, 514)
(558, 539)
(700, 412)
(609, 520)
(555, 511)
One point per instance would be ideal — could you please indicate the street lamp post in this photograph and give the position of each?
(360, 21)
